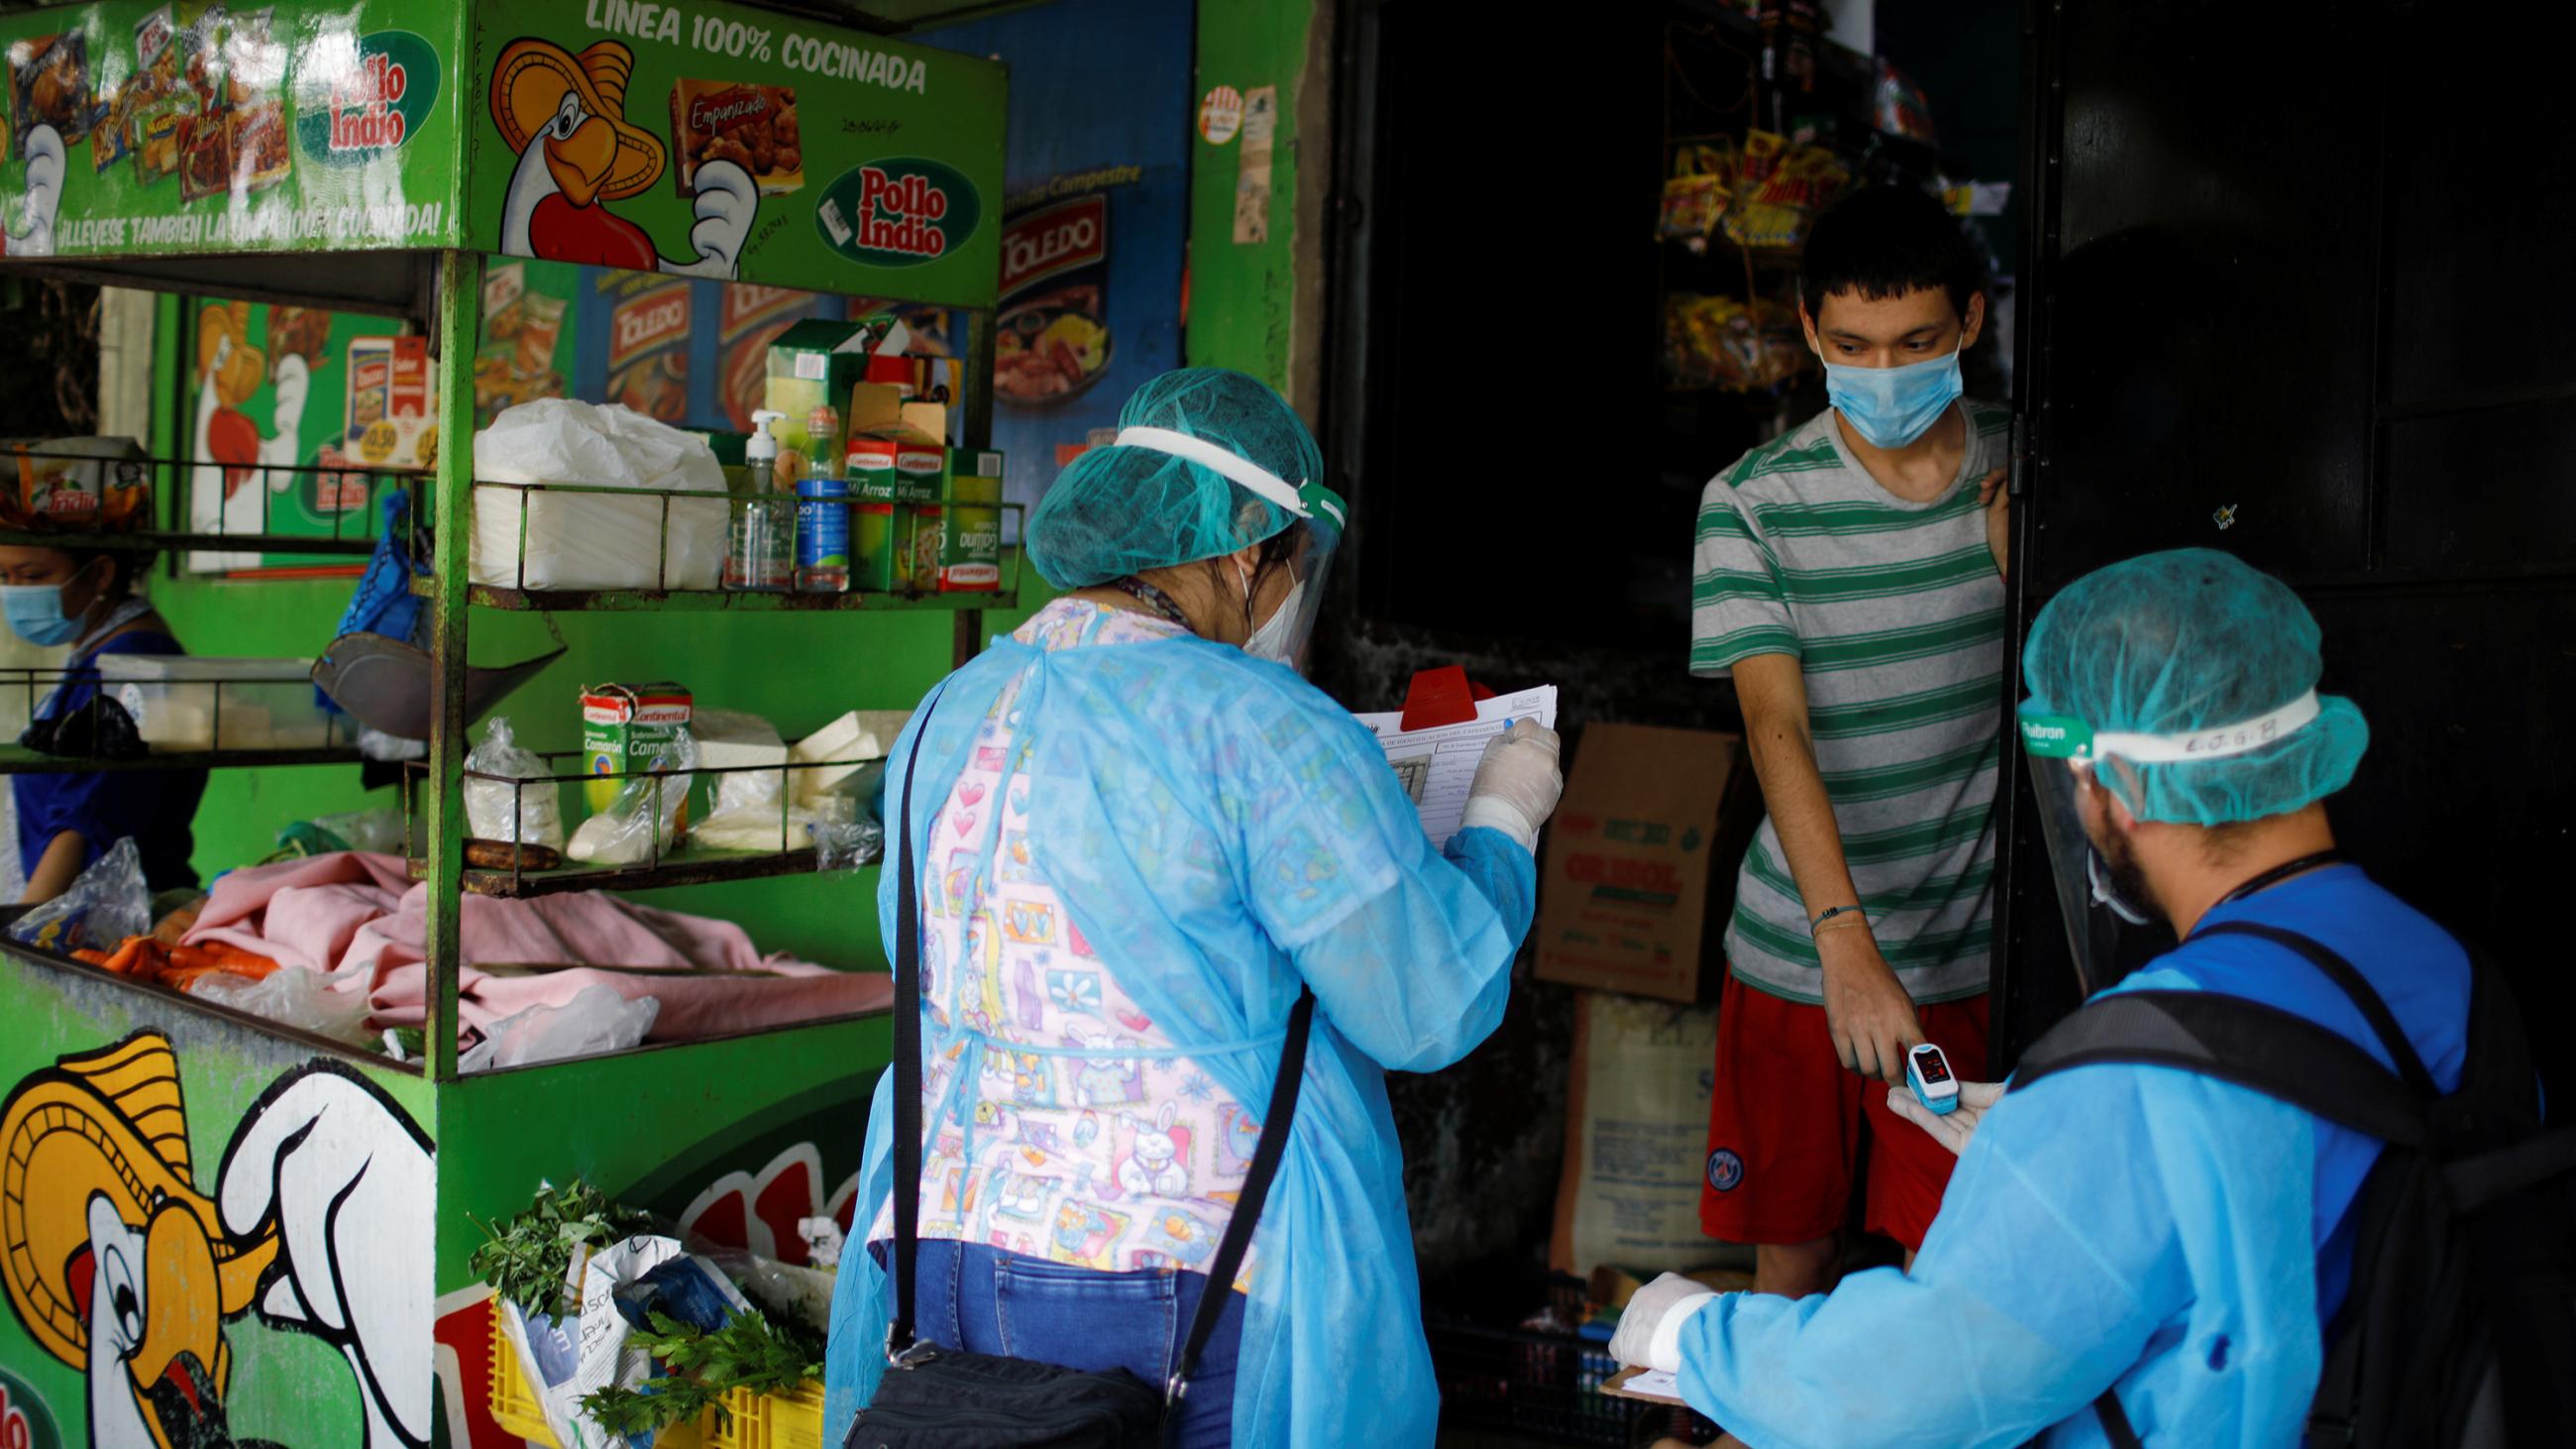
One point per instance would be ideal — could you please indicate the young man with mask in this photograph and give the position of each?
(2166, 1234)
(1848, 576)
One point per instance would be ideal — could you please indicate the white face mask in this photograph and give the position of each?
(1274, 640)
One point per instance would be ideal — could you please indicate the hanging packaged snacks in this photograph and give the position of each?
(1778, 210)
(1899, 106)
(1702, 184)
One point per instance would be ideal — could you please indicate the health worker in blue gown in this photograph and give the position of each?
(2149, 1230)
(1140, 834)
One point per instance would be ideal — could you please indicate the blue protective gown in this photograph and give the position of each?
(2142, 1226)
(1221, 831)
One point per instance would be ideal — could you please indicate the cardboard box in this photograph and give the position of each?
(817, 362)
(627, 728)
(966, 540)
(1641, 861)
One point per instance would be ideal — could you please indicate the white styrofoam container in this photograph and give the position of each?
(180, 702)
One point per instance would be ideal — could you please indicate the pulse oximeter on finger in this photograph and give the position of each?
(1928, 1073)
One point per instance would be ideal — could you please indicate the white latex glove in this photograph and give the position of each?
(1650, 1327)
(725, 202)
(348, 1181)
(1516, 784)
(1954, 1128)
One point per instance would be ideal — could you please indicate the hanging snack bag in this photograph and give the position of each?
(1695, 199)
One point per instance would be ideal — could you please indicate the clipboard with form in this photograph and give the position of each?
(1438, 765)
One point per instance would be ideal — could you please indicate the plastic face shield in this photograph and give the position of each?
(2063, 752)
(1286, 634)
(2060, 757)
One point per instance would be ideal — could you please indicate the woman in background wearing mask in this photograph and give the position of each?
(85, 598)
(1139, 835)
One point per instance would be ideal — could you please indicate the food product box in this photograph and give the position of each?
(966, 541)
(260, 154)
(753, 126)
(75, 483)
(898, 468)
(390, 419)
(811, 363)
(206, 164)
(1641, 859)
(627, 728)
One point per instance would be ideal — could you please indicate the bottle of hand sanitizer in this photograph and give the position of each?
(759, 551)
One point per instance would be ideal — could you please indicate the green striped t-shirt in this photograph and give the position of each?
(1896, 613)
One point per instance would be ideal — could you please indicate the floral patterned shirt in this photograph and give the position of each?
(1096, 1143)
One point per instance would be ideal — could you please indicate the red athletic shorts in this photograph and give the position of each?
(1785, 1127)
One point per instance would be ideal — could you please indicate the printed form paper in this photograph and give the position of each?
(1438, 765)
(1658, 1385)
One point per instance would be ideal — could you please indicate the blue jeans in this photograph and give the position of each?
(984, 1300)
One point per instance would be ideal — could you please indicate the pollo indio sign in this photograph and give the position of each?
(710, 141)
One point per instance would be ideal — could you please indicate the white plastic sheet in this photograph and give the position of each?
(589, 540)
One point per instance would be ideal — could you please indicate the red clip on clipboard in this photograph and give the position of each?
(1441, 696)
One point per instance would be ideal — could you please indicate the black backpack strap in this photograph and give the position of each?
(1266, 1154)
(2266, 1049)
(2365, 998)
(2115, 1421)
(907, 1049)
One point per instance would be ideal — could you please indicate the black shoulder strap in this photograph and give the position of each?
(1266, 1155)
(2274, 1052)
(2365, 998)
(907, 1049)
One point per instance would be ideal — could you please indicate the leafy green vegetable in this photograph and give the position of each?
(526, 1257)
(749, 1352)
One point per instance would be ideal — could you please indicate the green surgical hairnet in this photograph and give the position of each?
(2186, 640)
(1118, 510)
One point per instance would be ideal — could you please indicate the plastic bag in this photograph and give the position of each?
(631, 830)
(538, 818)
(590, 540)
(595, 1021)
(380, 831)
(292, 996)
(106, 904)
(848, 845)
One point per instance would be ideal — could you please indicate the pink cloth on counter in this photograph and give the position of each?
(358, 916)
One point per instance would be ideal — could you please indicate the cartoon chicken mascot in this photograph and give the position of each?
(566, 117)
(31, 234)
(236, 465)
(120, 1266)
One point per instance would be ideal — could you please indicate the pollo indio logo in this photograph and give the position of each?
(898, 213)
(365, 96)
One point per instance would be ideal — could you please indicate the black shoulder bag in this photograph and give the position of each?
(934, 1397)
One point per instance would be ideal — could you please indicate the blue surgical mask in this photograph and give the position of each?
(1893, 406)
(36, 613)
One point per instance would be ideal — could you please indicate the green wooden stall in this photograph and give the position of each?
(214, 1228)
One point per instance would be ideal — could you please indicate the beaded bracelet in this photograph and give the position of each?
(1832, 914)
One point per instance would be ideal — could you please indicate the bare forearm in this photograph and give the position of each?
(1793, 790)
(61, 865)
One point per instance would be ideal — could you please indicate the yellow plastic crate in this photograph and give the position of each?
(760, 1421)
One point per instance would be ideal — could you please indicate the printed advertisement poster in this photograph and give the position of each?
(138, 128)
(1094, 221)
(603, 132)
(720, 141)
(276, 399)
